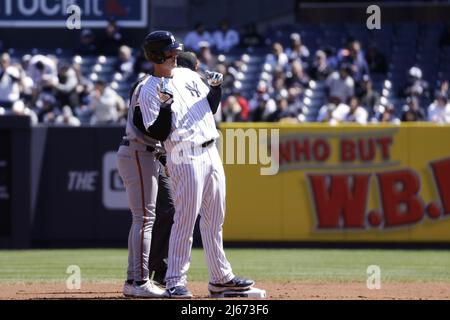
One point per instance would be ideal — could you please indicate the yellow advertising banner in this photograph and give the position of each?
(344, 183)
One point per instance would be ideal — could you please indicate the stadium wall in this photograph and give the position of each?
(59, 186)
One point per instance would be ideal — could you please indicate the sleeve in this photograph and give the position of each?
(214, 97)
(149, 105)
(160, 129)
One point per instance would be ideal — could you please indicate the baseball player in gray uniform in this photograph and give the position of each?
(138, 162)
(198, 179)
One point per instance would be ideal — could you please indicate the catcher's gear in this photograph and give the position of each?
(165, 95)
(214, 79)
(157, 43)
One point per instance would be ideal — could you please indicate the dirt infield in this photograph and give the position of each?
(275, 290)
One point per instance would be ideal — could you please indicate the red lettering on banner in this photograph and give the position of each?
(302, 149)
(385, 143)
(285, 152)
(321, 150)
(347, 150)
(366, 149)
(400, 198)
(441, 171)
(340, 200)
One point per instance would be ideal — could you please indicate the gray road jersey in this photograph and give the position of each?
(132, 132)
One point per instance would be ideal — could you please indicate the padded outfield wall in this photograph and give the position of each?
(335, 184)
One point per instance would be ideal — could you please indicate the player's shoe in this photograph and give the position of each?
(161, 283)
(149, 290)
(128, 290)
(234, 284)
(179, 292)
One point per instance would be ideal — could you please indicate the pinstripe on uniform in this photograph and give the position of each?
(198, 182)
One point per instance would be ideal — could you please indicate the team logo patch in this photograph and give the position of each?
(193, 89)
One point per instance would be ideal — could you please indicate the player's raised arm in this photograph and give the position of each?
(214, 97)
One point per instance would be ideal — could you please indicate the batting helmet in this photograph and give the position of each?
(158, 42)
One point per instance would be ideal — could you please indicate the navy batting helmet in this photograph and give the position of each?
(158, 42)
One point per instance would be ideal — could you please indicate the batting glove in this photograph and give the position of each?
(215, 79)
(165, 95)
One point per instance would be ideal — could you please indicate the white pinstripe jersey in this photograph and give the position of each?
(192, 119)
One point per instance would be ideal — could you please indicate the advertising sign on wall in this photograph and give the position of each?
(54, 13)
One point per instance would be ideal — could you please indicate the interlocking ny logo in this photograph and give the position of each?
(194, 89)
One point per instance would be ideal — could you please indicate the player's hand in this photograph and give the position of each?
(165, 95)
(214, 79)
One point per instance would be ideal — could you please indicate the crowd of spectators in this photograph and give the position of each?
(57, 92)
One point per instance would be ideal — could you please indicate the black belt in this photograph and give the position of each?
(127, 144)
(207, 143)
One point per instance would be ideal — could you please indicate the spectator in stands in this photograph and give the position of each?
(443, 89)
(439, 110)
(340, 84)
(354, 57)
(206, 58)
(278, 81)
(356, 112)
(125, 63)
(244, 103)
(235, 108)
(277, 58)
(412, 110)
(293, 99)
(105, 104)
(46, 108)
(67, 118)
(261, 105)
(319, 69)
(225, 38)
(296, 50)
(369, 97)
(194, 37)
(111, 40)
(282, 106)
(250, 37)
(228, 80)
(416, 86)
(284, 112)
(332, 60)
(88, 45)
(386, 114)
(66, 88)
(10, 82)
(296, 77)
(42, 70)
(231, 110)
(376, 61)
(358, 61)
(325, 113)
(26, 82)
(83, 90)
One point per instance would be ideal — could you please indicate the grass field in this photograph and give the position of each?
(315, 265)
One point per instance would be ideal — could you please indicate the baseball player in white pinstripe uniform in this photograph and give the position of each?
(198, 179)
